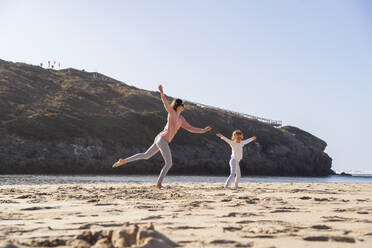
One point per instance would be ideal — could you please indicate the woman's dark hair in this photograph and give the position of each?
(176, 103)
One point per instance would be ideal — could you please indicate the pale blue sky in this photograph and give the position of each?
(307, 63)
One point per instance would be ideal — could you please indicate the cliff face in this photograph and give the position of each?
(70, 121)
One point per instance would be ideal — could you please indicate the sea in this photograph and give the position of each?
(91, 179)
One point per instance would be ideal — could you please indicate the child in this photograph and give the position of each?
(236, 144)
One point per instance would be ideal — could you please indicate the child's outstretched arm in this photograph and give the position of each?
(164, 100)
(224, 138)
(244, 142)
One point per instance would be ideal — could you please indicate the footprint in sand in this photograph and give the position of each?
(154, 209)
(36, 208)
(236, 205)
(153, 217)
(244, 197)
(230, 242)
(321, 227)
(195, 204)
(235, 214)
(232, 214)
(222, 241)
(231, 228)
(178, 210)
(321, 199)
(144, 206)
(339, 210)
(330, 238)
(316, 238)
(185, 242)
(362, 212)
(281, 211)
(110, 224)
(259, 236)
(364, 221)
(7, 201)
(284, 210)
(85, 226)
(186, 227)
(252, 201)
(343, 239)
(106, 204)
(226, 200)
(336, 219)
(245, 222)
(24, 197)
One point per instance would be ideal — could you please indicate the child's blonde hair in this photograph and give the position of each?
(237, 131)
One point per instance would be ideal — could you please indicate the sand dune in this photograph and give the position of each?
(190, 214)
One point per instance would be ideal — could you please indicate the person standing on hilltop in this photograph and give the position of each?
(161, 143)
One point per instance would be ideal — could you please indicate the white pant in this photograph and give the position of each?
(161, 145)
(234, 172)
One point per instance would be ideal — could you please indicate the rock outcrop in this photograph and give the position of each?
(69, 121)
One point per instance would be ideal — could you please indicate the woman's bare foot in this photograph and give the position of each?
(158, 185)
(119, 163)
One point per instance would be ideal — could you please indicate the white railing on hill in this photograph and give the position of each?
(275, 123)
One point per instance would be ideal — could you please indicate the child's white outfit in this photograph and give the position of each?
(236, 156)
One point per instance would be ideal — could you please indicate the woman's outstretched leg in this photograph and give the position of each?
(233, 164)
(167, 156)
(146, 155)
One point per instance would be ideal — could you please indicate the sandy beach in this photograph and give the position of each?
(190, 214)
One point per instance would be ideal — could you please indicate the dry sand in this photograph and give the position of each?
(195, 214)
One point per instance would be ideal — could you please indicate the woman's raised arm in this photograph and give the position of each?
(164, 100)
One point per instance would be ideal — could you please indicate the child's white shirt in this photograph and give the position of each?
(237, 148)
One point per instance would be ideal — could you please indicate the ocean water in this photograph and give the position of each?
(73, 179)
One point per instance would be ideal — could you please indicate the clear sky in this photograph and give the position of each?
(307, 63)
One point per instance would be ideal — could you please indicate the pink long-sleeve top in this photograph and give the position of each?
(175, 122)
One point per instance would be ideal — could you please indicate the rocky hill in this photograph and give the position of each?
(71, 121)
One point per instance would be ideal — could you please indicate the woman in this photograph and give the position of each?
(162, 140)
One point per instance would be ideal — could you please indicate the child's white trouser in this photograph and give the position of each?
(234, 171)
(161, 145)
